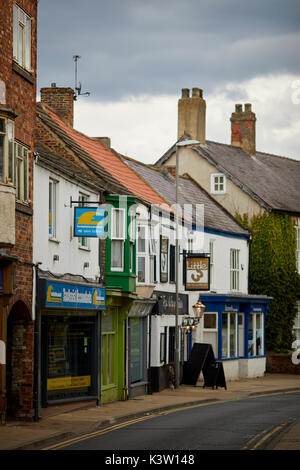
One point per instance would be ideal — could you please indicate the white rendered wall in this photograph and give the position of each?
(71, 256)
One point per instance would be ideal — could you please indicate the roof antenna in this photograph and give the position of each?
(78, 87)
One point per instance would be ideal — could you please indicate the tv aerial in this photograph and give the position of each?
(78, 86)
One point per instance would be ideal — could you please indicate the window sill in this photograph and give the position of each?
(24, 208)
(84, 248)
(54, 240)
(23, 72)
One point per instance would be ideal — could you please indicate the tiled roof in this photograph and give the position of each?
(271, 180)
(106, 159)
(189, 192)
(53, 161)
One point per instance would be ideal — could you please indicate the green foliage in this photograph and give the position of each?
(273, 272)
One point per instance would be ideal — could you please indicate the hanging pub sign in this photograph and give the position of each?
(197, 272)
(89, 222)
(164, 248)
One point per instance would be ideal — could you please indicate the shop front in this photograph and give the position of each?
(139, 344)
(235, 326)
(163, 335)
(69, 320)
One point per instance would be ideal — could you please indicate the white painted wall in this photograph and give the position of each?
(71, 256)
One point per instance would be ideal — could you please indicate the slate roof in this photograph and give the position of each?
(117, 176)
(189, 192)
(273, 181)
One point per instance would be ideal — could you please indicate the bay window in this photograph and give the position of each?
(21, 172)
(7, 162)
(117, 239)
(141, 252)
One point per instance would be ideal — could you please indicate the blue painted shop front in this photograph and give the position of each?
(235, 326)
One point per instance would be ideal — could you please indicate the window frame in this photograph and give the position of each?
(22, 57)
(297, 228)
(234, 269)
(83, 242)
(52, 233)
(8, 153)
(253, 316)
(236, 354)
(215, 181)
(21, 164)
(120, 238)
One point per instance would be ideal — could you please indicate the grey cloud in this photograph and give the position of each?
(159, 46)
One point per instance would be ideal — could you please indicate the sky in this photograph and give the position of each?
(137, 55)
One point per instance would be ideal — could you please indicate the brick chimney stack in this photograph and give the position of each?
(192, 114)
(243, 128)
(61, 100)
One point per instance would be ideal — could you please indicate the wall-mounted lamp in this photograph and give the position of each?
(55, 258)
(86, 264)
(199, 308)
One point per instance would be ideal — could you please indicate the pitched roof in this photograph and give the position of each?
(189, 193)
(55, 162)
(271, 180)
(93, 152)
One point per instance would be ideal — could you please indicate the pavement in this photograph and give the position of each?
(62, 422)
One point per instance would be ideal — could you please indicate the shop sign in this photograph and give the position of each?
(59, 295)
(197, 272)
(167, 303)
(62, 383)
(231, 308)
(89, 222)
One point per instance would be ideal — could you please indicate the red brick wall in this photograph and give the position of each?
(21, 99)
(281, 364)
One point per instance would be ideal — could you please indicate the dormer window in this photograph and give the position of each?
(218, 183)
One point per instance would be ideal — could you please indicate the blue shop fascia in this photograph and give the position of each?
(235, 326)
(68, 339)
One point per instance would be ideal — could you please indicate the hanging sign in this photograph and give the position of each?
(197, 272)
(89, 222)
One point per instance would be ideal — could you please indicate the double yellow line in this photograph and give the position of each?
(264, 436)
(96, 433)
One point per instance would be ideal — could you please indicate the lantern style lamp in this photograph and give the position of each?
(199, 308)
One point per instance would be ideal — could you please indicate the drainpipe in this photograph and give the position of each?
(99, 362)
(37, 347)
(149, 364)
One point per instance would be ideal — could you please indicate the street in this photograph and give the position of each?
(232, 425)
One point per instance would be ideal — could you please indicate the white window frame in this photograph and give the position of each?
(228, 356)
(22, 26)
(52, 205)
(298, 248)
(216, 183)
(142, 254)
(83, 242)
(254, 328)
(234, 269)
(116, 237)
(132, 237)
(21, 172)
(211, 260)
(8, 151)
(296, 327)
(152, 256)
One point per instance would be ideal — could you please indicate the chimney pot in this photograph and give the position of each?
(243, 128)
(53, 85)
(191, 115)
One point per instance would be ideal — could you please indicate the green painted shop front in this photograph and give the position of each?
(113, 346)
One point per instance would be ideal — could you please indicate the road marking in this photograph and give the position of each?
(161, 413)
(97, 433)
(267, 434)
